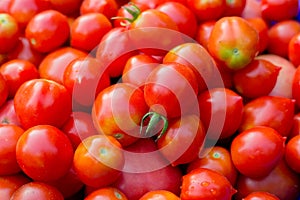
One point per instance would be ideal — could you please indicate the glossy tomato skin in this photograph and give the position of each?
(203, 184)
(293, 49)
(4, 91)
(218, 116)
(47, 30)
(235, 8)
(272, 111)
(104, 158)
(44, 153)
(87, 30)
(37, 190)
(8, 114)
(292, 153)
(218, 159)
(109, 8)
(159, 195)
(9, 32)
(183, 140)
(234, 42)
(41, 101)
(10, 135)
(67, 7)
(16, 72)
(203, 32)
(110, 193)
(261, 196)
(256, 152)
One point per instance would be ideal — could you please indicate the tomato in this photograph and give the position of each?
(296, 87)
(109, 193)
(44, 153)
(256, 151)
(183, 140)
(138, 68)
(235, 8)
(47, 30)
(4, 6)
(293, 49)
(248, 80)
(203, 184)
(9, 32)
(234, 42)
(207, 10)
(118, 110)
(252, 9)
(286, 187)
(8, 114)
(102, 156)
(280, 35)
(159, 195)
(216, 158)
(107, 7)
(41, 101)
(3, 90)
(54, 64)
(16, 72)
(9, 135)
(9, 184)
(203, 32)
(272, 111)
(84, 78)
(261, 196)
(67, 7)
(218, 107)
(167, 87)
(37, 190)
(292, 153)
(78, 127)
(87, 30)
(279, 10)
(184, 18)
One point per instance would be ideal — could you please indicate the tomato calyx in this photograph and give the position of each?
(155, 118)
(133, 10)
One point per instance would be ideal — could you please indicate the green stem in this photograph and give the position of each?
(154, 120)
(133, 10)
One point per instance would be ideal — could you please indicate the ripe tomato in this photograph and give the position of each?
(252, 9)
(256, 151)
(44, 153)
(67, 7)
(159, 195)
(37, 190)
(234, 8)
(4, 6)
(107, 7)
(234, 42)
(9, 33)
(3, 90)
(102, 156)
(296, 87)
(183, 140)
(16, 72)
(167, 87)
(218, 107)
(47, 30)
(204, 184)
(293, 49)
(41, 101)
(110, 193)
(216, 158)
(203, 32)
(9, 136)
(8, 114)
(88, 29)
(279, 10)
(261, 196)
(292, 153)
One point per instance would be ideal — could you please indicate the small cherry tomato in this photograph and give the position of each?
(9, 33)
(293, 49)
(107, 7)
(234, 7)
(203, 32)
(292, 153)
(47, 30)
(109, 193)
(102, 156)
(261, 196)
(203, 184)
(159, 195)
(3, 90)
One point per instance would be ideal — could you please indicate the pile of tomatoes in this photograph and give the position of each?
(149, 99)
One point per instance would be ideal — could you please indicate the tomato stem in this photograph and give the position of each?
(154, 120)
(133, 10)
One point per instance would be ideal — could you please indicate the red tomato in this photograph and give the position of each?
(261, 196)
(279, 10)
(102, 156)
(296, 126)
(67, 7)
(256, 151)
(292, 153)
(218, 107)
(37, 190)
(8, 114)
(47, 30)
(3, 90)
(207, 10)
(16, 72)
(252, 9)
(296, 87)
(150, 4)
(248, 81)
(54, 64)
(109, 193)
(88, 29)
(203, 32)
(159, 195)
(183, 140)
(203, 184)
(107, 7)
(235, 7)
(44, 153)
(275, 112)
(293, 49)
(4, 6)
(41, 101)
(218, 159)
(9, 33)
(9, 136)
(280, 35)
(234, 42)
(167, 87)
